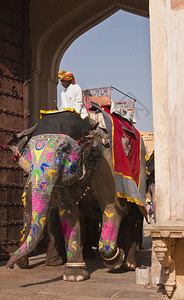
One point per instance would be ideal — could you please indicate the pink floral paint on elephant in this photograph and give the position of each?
(69, 236)
(67, 157)
(108, 235)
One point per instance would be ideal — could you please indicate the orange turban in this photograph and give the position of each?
(66, 76)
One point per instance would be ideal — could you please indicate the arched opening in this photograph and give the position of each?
(115, 53)
(52, 35)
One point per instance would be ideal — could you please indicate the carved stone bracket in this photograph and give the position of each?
(164, 237)
(164, 249)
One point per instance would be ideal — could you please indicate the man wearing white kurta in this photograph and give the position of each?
(71, 97)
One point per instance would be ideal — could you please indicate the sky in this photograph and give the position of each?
(115, 52)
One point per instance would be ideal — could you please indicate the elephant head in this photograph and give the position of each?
(49, 159)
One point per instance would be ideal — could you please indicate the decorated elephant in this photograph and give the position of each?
(68, 162)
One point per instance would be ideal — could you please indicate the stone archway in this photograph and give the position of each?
(55, 27)
(51, 37)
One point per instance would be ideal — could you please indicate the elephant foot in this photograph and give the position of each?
(23, 263)
(76, 272)
(128, 266)
(54, 261)
(116, 261)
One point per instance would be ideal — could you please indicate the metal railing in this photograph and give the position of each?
(103, 97)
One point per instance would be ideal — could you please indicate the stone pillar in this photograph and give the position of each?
(167, 59)
(43, 94)
(49, 92)
(35, 104)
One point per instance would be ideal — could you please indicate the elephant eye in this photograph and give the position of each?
(65, 149)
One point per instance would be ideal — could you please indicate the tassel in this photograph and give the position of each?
(94, 126)
(15, 157)
(2, 147)
(80, 140)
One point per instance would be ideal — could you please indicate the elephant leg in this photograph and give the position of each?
(129, 236)
(76, 267)
(139, 232)
(56, 254)
(112, 256)
(127, 242)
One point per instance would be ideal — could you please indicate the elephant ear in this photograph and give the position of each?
(19, 140)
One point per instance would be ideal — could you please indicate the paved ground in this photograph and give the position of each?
(41, 281)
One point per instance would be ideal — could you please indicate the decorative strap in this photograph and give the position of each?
(76, 265)
(85, 192)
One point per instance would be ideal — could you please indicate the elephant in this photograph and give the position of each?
(68, 163)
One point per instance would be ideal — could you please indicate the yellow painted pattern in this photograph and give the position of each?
(45, 112)
(130, 199)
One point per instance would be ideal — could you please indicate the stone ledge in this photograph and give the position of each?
(164, 230)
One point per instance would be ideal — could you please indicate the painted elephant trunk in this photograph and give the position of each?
(49, 156)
